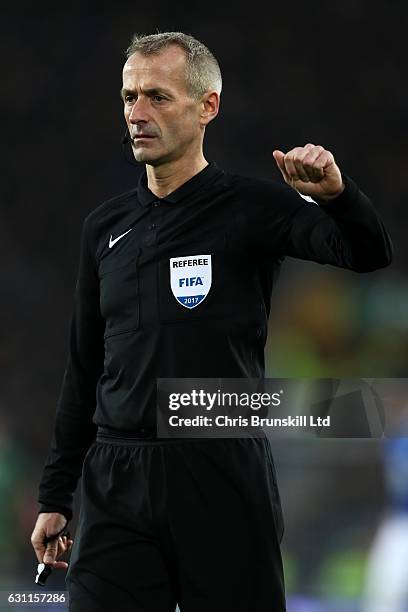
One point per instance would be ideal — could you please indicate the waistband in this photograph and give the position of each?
(129, 438)
(143, 437)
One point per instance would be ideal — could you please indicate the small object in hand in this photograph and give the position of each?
(63, 533)
(43, 571)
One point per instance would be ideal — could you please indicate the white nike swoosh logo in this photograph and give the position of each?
(112, 242)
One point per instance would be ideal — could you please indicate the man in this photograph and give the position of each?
(197, 522)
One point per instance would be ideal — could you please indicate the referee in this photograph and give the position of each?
(196, 522)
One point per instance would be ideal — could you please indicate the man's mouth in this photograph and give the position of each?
(142, 136)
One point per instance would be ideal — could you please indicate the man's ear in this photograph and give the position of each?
(210, 105)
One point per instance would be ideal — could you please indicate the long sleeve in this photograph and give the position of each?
(74, 430)
(346, 232)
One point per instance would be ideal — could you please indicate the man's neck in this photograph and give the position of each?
(162, 180)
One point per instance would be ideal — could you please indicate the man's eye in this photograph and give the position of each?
(158, 98)
(129, 98)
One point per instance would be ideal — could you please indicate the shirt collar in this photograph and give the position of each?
(146, 197)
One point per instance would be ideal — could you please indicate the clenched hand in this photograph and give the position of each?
(48, 524)
(311, 170)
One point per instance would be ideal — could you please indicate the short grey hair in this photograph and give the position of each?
(202, 69)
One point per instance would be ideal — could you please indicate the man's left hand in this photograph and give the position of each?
(311, 170)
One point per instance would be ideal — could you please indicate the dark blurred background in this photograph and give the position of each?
(329, 73)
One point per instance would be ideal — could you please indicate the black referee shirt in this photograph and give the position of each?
(180, 287)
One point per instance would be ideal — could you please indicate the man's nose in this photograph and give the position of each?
(139, 111)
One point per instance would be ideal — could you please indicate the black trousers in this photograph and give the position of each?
(194, 522)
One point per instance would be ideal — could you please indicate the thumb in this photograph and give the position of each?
(51, 551)
(278, 156)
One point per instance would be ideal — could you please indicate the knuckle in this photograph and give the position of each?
(36, 540)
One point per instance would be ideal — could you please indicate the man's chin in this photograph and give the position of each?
(144, 156)
(148, 157)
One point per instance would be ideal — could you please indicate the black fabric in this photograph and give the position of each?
(127, 328)
(194, 522)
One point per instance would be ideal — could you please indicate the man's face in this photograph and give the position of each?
(163, 120)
